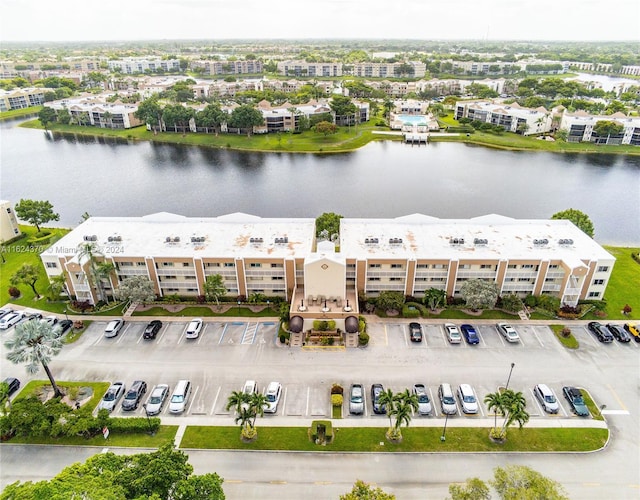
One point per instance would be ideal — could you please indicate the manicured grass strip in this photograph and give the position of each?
(16, 113)
(593, 408)
(166, 433)
(569, 342)
(73, 334)
(620, 290)
(192, 311)
(99, 388)
(422, 439)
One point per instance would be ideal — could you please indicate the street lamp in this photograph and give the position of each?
(65, 314)
(238, 307)
(509, 378)
(268, 305)
(144, 405)
(444, 429)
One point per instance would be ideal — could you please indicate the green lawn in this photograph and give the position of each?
(17, 113)
(569, 342)
(98, 388)
(23, 251)
(166, 433)
(422, 439)
(623, 286)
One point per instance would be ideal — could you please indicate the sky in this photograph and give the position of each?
(81, 20)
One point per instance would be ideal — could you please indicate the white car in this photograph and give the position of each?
(424, 404)
(273, 392)
(113, 328)
(453, 334)
(112, 396)
(11, 319)
(193, 329)
(508, 332)
(249, 388)
(547, 398)
(157, 398)
(467, 397)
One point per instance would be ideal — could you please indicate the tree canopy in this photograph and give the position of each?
(246, 117)
(580, 219)
(164, 474)
(329, 222)
(36, 212)
(27, 275)
(136, 289)
(479, 294)
(364, 491)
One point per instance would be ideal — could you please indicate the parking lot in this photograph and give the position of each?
(229, 352)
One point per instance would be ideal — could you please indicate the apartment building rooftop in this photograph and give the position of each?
(487, 237)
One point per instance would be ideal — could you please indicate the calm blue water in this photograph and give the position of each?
(383, 179)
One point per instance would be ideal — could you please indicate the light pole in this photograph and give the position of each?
(238, 307)
(65, 314)
(268, 305)
(444, 429)
(144, 405)
(509, 378)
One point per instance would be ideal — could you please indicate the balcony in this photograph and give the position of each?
(480, 274)
(172, 271)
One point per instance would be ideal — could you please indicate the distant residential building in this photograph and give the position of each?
(21, 98)
(580, 128)
(247, 67)
(97, 112)
(604, 68)
(410, 69)
(511, 117)
(311, 69)
(32, 70)
(8, 222)
(130, 65)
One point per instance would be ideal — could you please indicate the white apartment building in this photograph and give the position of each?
(130, 65)
(304, 68)
(281, 258)
(579, 127)
(512, 117)
(97, 112)
(8, 222)
(245, 67)
(21, 98)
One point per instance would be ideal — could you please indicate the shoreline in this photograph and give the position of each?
(363, 137)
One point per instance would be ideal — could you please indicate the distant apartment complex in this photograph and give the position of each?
(8, 222)
(605, 68)
(511, 117)
(580, 128)
(245, 67)
(20, 98)
(97, 112)
(410, 69)
(130, 65)
(408, 254)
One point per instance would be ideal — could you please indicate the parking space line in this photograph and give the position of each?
(617, 398)
(433, 403)
(535, 400)
(481, 337)
(204, 329)
(164, 330)
(193, 398)
(180, 337)
(559, 404)
(224, 331)
(308, 396)
(284, 402)
(533, 328)
(140, 337)
(500, 337)
(215, 400)
(386, 335)
(121, 334)
(521, 340)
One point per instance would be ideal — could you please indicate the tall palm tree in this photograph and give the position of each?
(256, 406)
(409, 399)
(35, 343)
(514, 406)
(90, 251)
(237, 400)
(403, 416)
(103, 272)
(494, 402)
(388, 400)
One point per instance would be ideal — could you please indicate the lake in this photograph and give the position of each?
(384, 179)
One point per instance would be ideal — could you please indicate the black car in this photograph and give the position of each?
(63, 327)
(13, 383)
(134, 395)
(574, 396)
(376, 392)
(600, 331)
(152, 329)
(415, 332)
(619, 333)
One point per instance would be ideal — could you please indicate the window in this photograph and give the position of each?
(141, 264)
(396, 266)
(277, 278)
(255, 264)
(422, 266)
(512, 266)
(602, 269)
(553, 266)
(464, 266)
(598, 282)
(229, 264)
(594, 295)
(527, 266)
(167, 264)
(486, 266)
(374, 266)
(374, 279)
(276, 265)
(395, 279)
(186, 264)
(212, 264)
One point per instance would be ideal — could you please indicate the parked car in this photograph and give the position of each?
(112, 396)
(273, 392)
(180, 396)
(134, 395)
(470, 334)
(356, 399)
(63, 327)
(633, 330)
(508, 332)
(467, 398)
(415, 332)
(33, 317)
(157, 399)
(11, 319)
(546, 397)
(113, 328)
(453, 334)
(600, 331)
(619, 333)
(13, 383)
(424, 403)
(4, 311)
(50, 320)
(249, 388)
(376, 392)
(193, 329)
(152, 329)
(574, 396)
(447, 400)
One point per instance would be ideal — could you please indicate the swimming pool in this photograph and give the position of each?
(412, 119)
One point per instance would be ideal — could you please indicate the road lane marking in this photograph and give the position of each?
(308, 395)
(164, 330)
(615, 395)
(193, 398)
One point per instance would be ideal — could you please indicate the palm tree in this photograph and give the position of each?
(388, 400)
(494, 402)
(403, 416)
(35, 343)
(237, 400)
(257, 404)
(514, 408)
(214, 287)
(90, 251)
(103, 272)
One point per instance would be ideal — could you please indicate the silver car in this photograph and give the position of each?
(112, 396)
(157, 398)
(113, 328)
(453, 334)
(508, 332)
(467, 399)
(547, 398)
(424, 403)
(356, 399)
